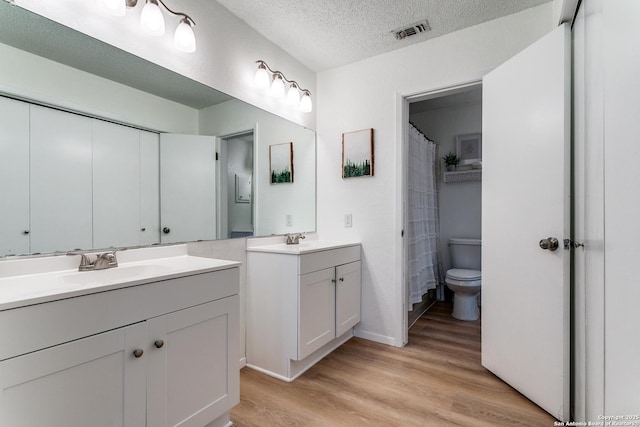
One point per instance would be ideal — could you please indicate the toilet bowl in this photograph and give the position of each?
(464, 278)
(465, 285)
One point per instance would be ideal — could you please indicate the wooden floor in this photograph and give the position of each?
(436, 380)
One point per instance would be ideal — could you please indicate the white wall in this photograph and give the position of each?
(272, 201)
(369, 94)
(460, 202)
(589, 266)
(33, 77)
(607, 341)
(227, 48)
(620, 66)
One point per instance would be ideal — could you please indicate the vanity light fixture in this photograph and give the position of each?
(278, 85)
(152, 21)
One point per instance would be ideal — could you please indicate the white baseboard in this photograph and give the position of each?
(267, 372)
(382, 339)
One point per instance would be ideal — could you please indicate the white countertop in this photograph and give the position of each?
(28, 289)
(304, 247)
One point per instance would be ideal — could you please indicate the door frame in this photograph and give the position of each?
(221, 179)
(402, 126)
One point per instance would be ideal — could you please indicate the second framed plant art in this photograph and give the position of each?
(357, 153)
(281, 163)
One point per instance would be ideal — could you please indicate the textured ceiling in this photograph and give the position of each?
(323, 34)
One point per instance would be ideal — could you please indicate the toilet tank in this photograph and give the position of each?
(465, 253)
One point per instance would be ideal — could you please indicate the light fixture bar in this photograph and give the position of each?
(184, 15)
(153, 22)
(294, 95)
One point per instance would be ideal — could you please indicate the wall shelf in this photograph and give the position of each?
(462, 176)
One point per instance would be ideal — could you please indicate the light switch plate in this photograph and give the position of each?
(348, 220)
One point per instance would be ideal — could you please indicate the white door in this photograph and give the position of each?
(116, 185)
(60, 181)
(187, 188)
(149, 188)
(348, 291)
(14, 177)
(526, 198)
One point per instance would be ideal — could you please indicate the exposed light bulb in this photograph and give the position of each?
(305, 103)
(114, 7)
(151, 19)
(277, 87)
(184, 39)
(262, 78)
(293, 95)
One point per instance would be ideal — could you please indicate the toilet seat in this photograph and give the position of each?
(463, 277)
(464, 274)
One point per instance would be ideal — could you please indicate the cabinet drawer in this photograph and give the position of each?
(330, 258)
(73, 318)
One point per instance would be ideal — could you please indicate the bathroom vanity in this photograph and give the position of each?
(303, 301)
(152, 342)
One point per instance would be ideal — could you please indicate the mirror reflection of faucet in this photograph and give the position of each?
(294, 239)
(103, 261)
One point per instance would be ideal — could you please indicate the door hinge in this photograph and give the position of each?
(570, 244)
(217, 157)
(402, 233)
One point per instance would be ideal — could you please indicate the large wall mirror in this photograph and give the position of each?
(100, 148)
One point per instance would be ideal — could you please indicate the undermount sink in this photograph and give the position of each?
(33, 281)
(305, 246)
(131, 272)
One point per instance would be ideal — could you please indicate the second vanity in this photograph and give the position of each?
(303, 301)
(152, 342)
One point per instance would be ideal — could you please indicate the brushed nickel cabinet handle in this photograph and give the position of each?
(138, 352)
(159, 343)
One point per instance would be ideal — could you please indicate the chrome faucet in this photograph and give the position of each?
(294, 239)
(102, 261)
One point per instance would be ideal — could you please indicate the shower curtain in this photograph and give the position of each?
(422, 216)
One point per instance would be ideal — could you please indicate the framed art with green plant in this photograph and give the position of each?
(357, 153)
(281, 163)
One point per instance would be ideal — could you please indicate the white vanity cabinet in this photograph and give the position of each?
(302, 303)
(329, 305)
(92, 381)
(163, 353)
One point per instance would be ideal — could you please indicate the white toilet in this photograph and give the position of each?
(464, 278)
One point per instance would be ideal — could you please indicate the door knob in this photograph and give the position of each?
(550, 243)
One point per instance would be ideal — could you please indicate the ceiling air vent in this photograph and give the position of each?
(412, 30)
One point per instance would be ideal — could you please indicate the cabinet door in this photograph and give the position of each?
(116, 185)
(149, 188)
(94, 381)
(348, 287)
(316, 311)
(194, 375)
(14, 177)
(61, 183)
(187, 187)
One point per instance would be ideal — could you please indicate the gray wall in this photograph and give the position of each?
(460, 202)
